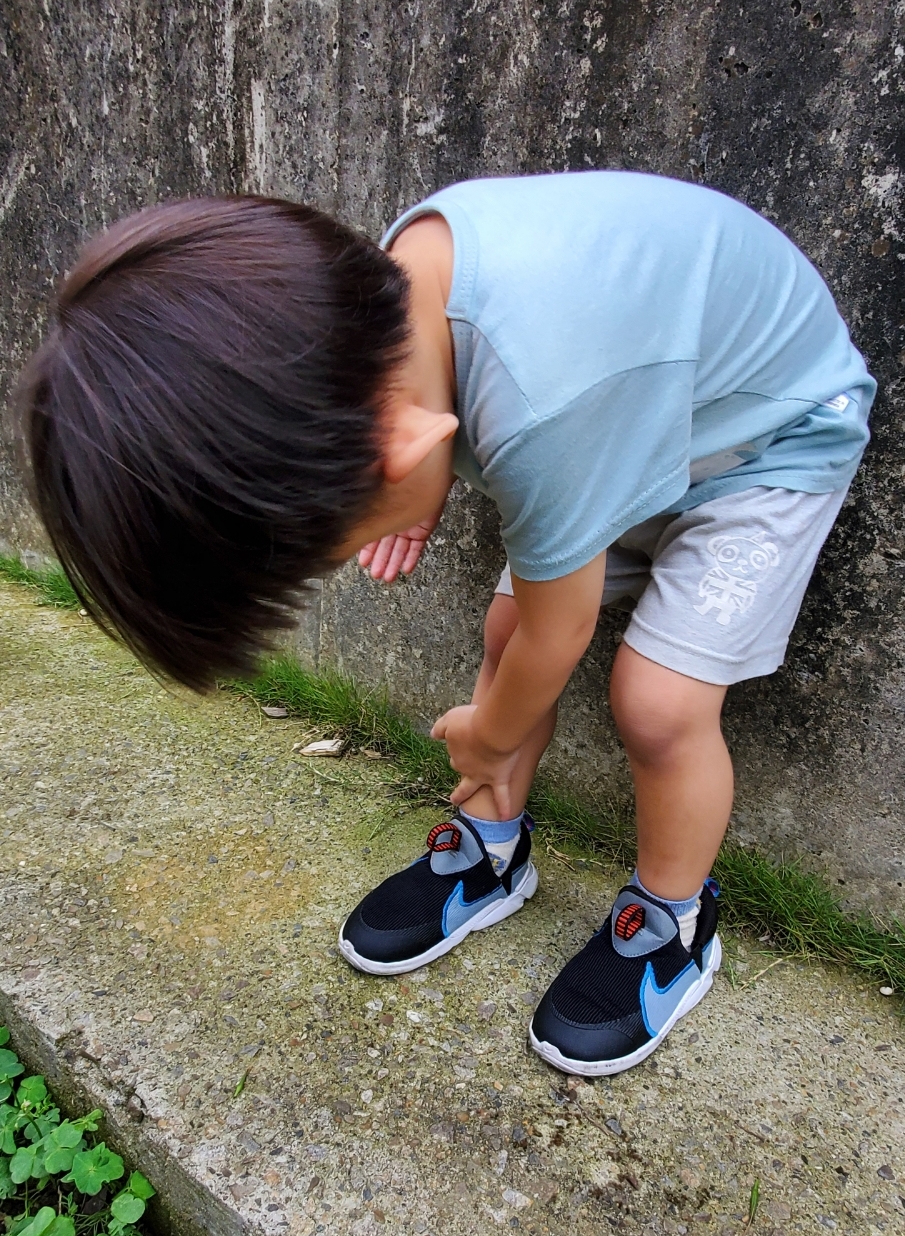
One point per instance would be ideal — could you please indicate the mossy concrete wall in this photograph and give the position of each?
(364, 108)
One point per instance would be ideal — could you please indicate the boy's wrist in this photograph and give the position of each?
(494, 742)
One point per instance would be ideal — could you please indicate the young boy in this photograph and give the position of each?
(650, 381)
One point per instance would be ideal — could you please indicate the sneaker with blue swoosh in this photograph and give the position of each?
(425, 910)
(616, 1000)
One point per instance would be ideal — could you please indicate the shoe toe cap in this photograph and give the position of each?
(595, 1043)
(387, 946)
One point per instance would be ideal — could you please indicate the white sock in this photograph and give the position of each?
(500, 838)
(688, 923)
(686, 912)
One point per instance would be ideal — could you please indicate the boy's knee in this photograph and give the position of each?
(501, 621)
(658, 712)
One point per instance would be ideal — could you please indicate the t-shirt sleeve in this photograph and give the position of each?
(570, 483)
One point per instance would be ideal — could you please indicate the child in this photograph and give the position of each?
(650, 381)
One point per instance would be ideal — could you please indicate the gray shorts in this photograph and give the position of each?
(715, 591)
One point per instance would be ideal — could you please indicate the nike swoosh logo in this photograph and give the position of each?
(659, 1003)
(458, 911)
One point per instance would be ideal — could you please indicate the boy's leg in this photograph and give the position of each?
(670, 727)
(727, 580)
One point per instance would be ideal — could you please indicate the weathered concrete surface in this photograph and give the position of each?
(365, 108)
(172, 879)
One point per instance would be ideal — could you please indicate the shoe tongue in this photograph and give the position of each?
(640, 925)
(465, 852)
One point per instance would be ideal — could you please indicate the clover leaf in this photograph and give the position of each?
(92, 1169)
(4, 1036)
(127, 1207)
(48, 1223)
(9, 1068)
(61, 1146)
(141, 1186)
(7, 1184)
(32, 1092)
(25, 1164)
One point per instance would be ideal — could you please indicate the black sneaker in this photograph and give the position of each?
(422, 912)
(617, 999)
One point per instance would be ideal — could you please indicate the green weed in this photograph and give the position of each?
(50, 1167)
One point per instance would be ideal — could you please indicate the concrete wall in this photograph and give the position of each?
(367, 107)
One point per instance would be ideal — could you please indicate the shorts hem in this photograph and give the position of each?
(700, 663)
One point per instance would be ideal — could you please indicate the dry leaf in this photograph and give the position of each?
(271, 710)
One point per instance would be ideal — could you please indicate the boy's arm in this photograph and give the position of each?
(556, 622)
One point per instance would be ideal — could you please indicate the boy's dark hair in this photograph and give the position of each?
(202, 421)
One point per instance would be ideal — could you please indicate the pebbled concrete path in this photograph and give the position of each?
(171, 880)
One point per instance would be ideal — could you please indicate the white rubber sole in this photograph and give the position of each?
(494, 913)
(604, 1068)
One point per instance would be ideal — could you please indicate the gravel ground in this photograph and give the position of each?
(172, 879)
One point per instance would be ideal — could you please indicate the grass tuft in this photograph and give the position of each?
(798, 911)
(50, 585)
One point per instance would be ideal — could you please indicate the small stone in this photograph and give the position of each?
(413, 1016)
(780, 1212)
(518, 1136)
(367, 1096)
(544, 1191)
(885, 1172)
(386, 1019)
(324, 746)
(113, 856)
(518, 1201)
(145, 1016)
(886, 991)
(273, 710)
(486, 1009)
(614, 1126)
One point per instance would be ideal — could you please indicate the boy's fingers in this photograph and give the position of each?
(382, 556)
(411, 558)
(503, 800)
(438, 730)
(464, 790)
(397, 557)
(366, 555)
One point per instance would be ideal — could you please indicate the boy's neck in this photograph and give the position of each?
(427, 376)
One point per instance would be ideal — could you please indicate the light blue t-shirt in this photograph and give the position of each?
(627, 345)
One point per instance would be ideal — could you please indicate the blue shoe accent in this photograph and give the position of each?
(458, 911)
(659, 1003)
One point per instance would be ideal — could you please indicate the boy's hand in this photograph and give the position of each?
(478, 763)
(396, 554)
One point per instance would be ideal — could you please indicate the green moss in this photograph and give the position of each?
(797, 909)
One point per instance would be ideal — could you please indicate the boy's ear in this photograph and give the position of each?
(410, 434)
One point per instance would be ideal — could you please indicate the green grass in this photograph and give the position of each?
(797, 910)
(49, 585)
